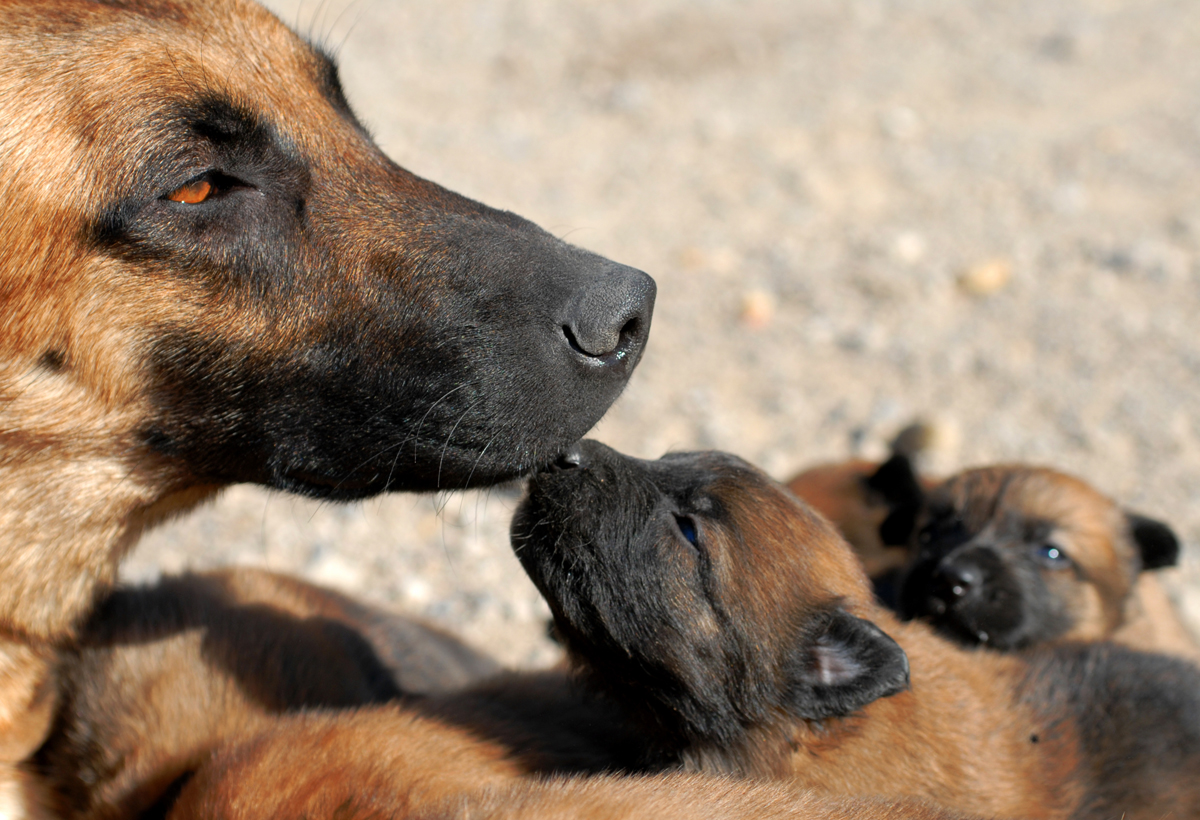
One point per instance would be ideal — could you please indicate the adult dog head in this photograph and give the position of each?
(209, 274)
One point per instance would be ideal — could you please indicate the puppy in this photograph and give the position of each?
(163, 674)
(1013, 556)
(210, 275)
(736, 628)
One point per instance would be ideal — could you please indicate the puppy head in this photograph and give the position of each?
(1012, 556)
(702, 595)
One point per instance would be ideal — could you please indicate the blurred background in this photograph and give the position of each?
(858, 212)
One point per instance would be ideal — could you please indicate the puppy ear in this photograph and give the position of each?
(845, 664)
(1155, 540)
(896, 481)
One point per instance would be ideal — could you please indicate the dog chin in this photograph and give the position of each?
(458, 471)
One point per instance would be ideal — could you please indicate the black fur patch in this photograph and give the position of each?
(897, 483)
(1157, 542)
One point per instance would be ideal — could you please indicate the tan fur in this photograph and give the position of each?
(385, 764)
(164, 675)
(1152, 623)
(28, 699)
(152, 701)
(678, 797)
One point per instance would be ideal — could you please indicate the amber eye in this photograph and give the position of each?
(193, 193)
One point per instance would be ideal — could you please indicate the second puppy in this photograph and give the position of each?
(1013, 556)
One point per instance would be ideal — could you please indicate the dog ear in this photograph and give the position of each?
(1155, 541)
(896, 481)
(845, 664)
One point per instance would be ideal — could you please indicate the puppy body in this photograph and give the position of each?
(678, 797)
(873, 504)
(1152, 623)
(840, 492)
(1015, 556)
(384, 764)
(740, 632)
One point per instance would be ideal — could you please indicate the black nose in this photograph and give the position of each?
(610, 315)
(959, 578)
(570, 459)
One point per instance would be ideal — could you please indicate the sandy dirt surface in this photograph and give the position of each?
(857, 211)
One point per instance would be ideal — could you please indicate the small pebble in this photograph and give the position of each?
(985, 278)
(758, 309)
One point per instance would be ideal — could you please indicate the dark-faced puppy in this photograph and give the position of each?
(738, 629)
(1014, 556)
(210, 274)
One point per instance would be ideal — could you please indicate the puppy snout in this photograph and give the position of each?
(958, 579)
(609, 317)
(571, 459)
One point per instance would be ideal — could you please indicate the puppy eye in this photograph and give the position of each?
(1051, 556)
(687, 527)
(192, 193)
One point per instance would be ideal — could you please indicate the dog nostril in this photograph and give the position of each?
(611, 314)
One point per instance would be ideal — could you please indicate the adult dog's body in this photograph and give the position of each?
(209, 274)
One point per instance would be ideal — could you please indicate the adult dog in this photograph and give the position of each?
(210, 274)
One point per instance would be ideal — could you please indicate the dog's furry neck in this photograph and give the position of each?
(76, 492)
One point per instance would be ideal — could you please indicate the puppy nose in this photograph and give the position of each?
(570, 459)
(959, 578)
(611, 314)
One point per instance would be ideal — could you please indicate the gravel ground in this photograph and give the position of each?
(858, 212)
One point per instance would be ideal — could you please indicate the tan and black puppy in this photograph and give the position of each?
(1013, 556)
(209, 274)
(739, 631)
